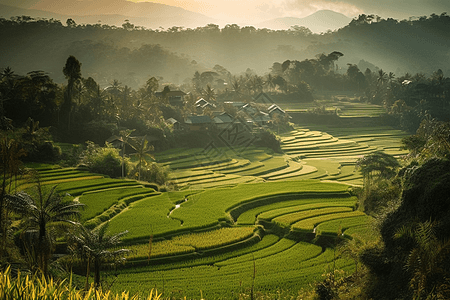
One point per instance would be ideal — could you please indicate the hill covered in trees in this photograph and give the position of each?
(131, 53)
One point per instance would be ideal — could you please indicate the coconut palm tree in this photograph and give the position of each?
(269, 82)
(142, 147)
(72, 72)
(45, 214)
(124, 135)
(95, 248)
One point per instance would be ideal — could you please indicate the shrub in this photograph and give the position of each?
(44, 151)
(151, 172)
(103, 160)
(268, 139)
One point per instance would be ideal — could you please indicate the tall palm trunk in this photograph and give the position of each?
(97, 273)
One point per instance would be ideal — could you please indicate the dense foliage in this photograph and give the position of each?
(414, 260)
(135, 52)
(409, 203)
(103, 160)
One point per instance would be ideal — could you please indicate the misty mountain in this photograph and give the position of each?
(149, 15)
(320, 21)
(132, 55)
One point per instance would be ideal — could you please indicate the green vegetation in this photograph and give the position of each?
(330, 196)
(26, 287)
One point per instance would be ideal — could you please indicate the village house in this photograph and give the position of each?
(263, 98)
(175, 124)
(260, 118)
(275, 109)
(175, 98)
(195, 123)
(223, 120)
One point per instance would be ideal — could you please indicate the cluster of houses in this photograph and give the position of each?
(248, 113)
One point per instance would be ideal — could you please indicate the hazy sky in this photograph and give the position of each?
(258, 10)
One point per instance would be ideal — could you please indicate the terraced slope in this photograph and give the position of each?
(220, 264)
(324, 153)
(212, 239)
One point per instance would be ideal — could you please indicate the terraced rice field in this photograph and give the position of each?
(325, 153)
(212, 240)
(236, 214)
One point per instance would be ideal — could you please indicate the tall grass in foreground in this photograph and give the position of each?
(28, 287)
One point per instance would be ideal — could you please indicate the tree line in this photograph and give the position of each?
(135, 52)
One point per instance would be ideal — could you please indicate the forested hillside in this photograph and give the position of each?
(131, 53)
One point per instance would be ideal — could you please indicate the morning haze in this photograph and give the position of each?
(284, 149)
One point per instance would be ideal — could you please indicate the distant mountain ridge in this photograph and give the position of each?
(150, 15)
(320, 21)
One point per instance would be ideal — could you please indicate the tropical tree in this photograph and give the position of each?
(209, 93)
(95, 248)
(151, 86)
(270, 82)
(236, 84)
(46, 213)
(142, 147)
(376, 164)
(10, 168)
(7, 83)
(432, 139)
(123, 137)
(426, 259)
(72, 72)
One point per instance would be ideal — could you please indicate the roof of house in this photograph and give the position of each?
(248, 108)
(235, 104)
(171, 94)
(272, 107)
(200, 102)
(171, 121)
(197, 120)
(223, 118)
(261, 117)
(263, 98)
(276, 109)
(207, 104)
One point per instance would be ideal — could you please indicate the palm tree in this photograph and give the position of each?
(72, 71)
(237, 87)
(44, 214)
(209, 93)
(94, 247)
(124, 135)
(270, 82)
(10, 167)
(257, 84)
(377, 163)
(7, 82)
(142, 147)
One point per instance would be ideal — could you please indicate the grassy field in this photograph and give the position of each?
(237, 214)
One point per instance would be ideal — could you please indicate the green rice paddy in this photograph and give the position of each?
(243, 218)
